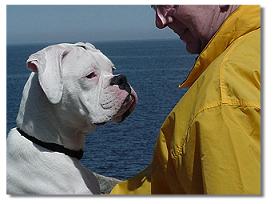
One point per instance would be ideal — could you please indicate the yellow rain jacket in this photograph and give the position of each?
(210, 142)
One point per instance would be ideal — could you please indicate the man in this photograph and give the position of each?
(210, 142)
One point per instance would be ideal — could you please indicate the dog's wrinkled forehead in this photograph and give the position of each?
(86, 53)
(86, 46)
(80, 58)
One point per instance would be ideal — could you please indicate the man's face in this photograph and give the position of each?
(191, 23)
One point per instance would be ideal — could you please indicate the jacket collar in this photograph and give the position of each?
(243, 20)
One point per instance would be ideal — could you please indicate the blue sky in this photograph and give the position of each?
(47, 24)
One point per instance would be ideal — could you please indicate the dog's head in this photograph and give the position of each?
(78, 78)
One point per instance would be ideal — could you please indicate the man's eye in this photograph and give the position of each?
(91, 75)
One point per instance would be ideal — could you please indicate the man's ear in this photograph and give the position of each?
(47, 63)
(224, 8)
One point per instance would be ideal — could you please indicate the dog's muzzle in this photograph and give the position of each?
(129, 102)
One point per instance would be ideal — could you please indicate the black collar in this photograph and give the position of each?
(52, 146)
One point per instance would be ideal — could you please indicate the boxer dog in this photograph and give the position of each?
(70, 91)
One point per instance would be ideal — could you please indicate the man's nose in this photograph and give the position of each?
(160, 23)
(161, 19)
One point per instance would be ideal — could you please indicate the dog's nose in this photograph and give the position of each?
(121, 81)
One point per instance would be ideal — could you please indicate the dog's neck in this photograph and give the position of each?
(38, 118)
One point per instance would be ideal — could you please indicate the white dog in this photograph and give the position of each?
(71, 90)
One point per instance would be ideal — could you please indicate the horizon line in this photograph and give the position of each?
(95, 41)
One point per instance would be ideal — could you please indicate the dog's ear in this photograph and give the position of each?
(47, 63)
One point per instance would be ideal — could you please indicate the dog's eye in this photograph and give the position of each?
(91, 75)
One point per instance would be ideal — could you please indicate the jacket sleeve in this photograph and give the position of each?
(137, 185)
(221, 154)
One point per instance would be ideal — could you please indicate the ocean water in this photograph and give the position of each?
(153, 68)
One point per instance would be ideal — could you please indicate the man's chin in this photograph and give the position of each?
(191, 47)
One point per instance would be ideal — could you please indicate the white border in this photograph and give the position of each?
(267, 107)
(124, 2)
(3, 97)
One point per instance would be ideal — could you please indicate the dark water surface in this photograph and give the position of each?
(153, 68)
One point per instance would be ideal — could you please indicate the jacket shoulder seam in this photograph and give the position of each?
(180, 150)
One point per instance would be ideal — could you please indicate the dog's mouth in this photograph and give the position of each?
(127, 108)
